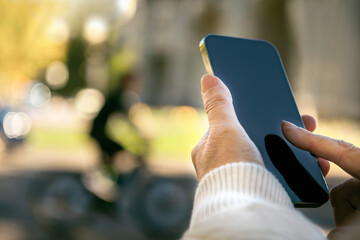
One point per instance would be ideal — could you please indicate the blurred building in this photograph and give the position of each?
(166, 35)
(327, 37)
(317, 40)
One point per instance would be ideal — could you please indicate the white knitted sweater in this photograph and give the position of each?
(245, 201)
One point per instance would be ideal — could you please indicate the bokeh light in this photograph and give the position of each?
(58, 31)
(184, 115)
(57, 75)
(126, 8)
(39, 95)
(88, 102)
(96, 30)
(16, 124)
(142, 117)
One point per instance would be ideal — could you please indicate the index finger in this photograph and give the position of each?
(342, 153)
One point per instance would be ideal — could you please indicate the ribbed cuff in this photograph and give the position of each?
(237, 184)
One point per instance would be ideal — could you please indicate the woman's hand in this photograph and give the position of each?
(342, 153)
(226, 141)
(345, 198)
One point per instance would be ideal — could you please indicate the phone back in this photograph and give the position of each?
(253, 71)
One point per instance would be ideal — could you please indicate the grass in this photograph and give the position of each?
(170, 131)
(57, 138)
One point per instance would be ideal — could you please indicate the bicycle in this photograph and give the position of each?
(150, 206)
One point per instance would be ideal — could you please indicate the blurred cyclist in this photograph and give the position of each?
(103, 181)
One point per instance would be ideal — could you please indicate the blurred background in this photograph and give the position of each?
(90, 89)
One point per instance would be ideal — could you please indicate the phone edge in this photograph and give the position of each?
(205, 56)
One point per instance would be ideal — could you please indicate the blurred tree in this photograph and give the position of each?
(75, 61)
(25, 43)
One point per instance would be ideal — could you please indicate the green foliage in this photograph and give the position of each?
(24, 43)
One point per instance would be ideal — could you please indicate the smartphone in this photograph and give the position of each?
(262, 97)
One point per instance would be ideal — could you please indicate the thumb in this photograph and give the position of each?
(217, 102)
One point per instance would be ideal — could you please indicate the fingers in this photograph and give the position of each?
(344, 154)
(345, 200)
(324, 165)
(310, 125)
(309, 122)
(217, 102)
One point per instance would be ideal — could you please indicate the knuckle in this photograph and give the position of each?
(214, 102)
(346, 149)
(345, 145)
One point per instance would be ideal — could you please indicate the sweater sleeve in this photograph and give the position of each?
(245, 201)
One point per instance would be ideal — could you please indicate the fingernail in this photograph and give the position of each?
(288, 124)
(207, 82)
